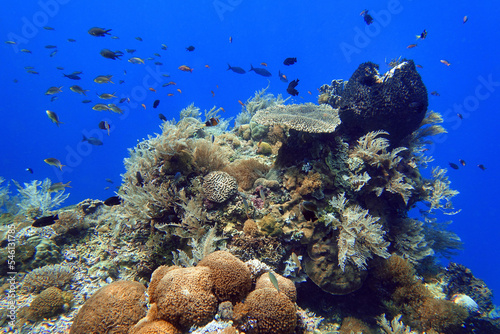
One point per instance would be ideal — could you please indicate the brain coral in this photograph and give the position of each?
(219, 186)
(48, 303)
(284, 284)
(184, 297)
(47, 276)
(230, 276)
(113, 308)
(274, 311)
(306, 117)
(154, 327)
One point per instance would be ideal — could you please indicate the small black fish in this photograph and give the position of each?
(123, 99)
(236, 69)
(290, 61)
(72, 40)
(423, 35)
(453, 165)
(107, 53)
(130, 50)
(99, 32)
(104, 125)
(190, 48)
(45, 221)
(92, 140)
(140, 180)
(481, 167)
(86, 101)
(156, 103)
(72, 76)
(291, 88)
(139, 39)
(29, 170)
(367, 17)
(260, 71)
(114, 200)
(462, 162)
(162, 117)
(158, 63)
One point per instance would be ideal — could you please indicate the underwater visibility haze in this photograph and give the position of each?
(296, 167)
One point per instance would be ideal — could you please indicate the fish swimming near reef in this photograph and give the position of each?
(104, 125)
(236, 69)
(53, 117)
(54, 162)
(190, 48)
(59, 186)
(283, 77)
(99, 32)
(367, 17)
(100, 79)
(260, 71)
(291, 88)
(53, 90)
(72, 76)
(45, 221)
(274, 280)
(114, 200)
(107, 53)
(140, 180)
(156, 103)
(453, 165)
(162, 117)
(92, 140)
(79, 90)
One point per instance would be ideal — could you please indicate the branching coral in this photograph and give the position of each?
(36, 202)
(359, 234)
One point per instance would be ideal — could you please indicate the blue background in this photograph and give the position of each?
(329, 40)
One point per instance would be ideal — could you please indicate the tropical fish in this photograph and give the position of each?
(130, 50)
(260, 71)
(114, 108)
(465, 19)
(113, 200)
(273, 280)
(423, 35)
(177, 177)
(78, 89)
(283, 77)
(10, 42)
(50, 47)
(106, 96)
(164, 47)
(53, 90)
(185, 68)
(460, 116)
(139, 39)
(213, 94)
(162, 117)
(190, 48)
(179, 90)
(32, 72)
(212, 122)
(59, 186)
(462, 162)
(136, 60)
(140, 180)
(92, 140)
(104, 125)
(29, 170)
(290, 61)
(48, 28)
(26, 51)
(60, 68)
(109, 180)
(435, 93)
(170, 94)
(144, 106)
(411, 46)
(71, 40)
(53, 117)
(239, 101)
(72, 76)
(236, 69)
(296, 260)
(481, 167)
(230, 39)
(54, 162)
(445, 62)
(264, 64)
(419, 66)
(86, 101)
(52, 54)
(53, 98)
(291, 87)
(453, 165)
(152, 89)
(157, 54)
(367, 17)
(107, 53)
(158, 63)
(100, 107)
(45, 221)
(99, 32)
(156, 103)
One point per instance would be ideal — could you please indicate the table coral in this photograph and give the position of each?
(230, 275)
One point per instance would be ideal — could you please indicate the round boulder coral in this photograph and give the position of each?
(219, 186)
(115, 307)
(284, 284)
(48, 303)
(184, 297)
(154, 327)
(230, 276)
(273, 311)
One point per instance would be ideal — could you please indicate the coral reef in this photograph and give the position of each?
(306, 117)
(230, 276)
(395, 102)
(36, 202)
(47, 276)
(395, 326)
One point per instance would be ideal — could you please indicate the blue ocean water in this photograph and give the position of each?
(329, 39)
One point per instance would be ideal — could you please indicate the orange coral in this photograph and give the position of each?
(354, 325)
(230, 276)
(246, 172)
(154, 327)
(184, 297)
(274, 311)
(115, 307)
(285, 285)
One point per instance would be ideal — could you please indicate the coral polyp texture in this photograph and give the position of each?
(113, 308)
(306, 117)
(219, 186)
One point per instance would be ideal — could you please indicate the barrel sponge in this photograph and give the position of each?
(113, 308)
(154, 327)
(231, 276)
(184, 297)
(274, 311)
(284, 284)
